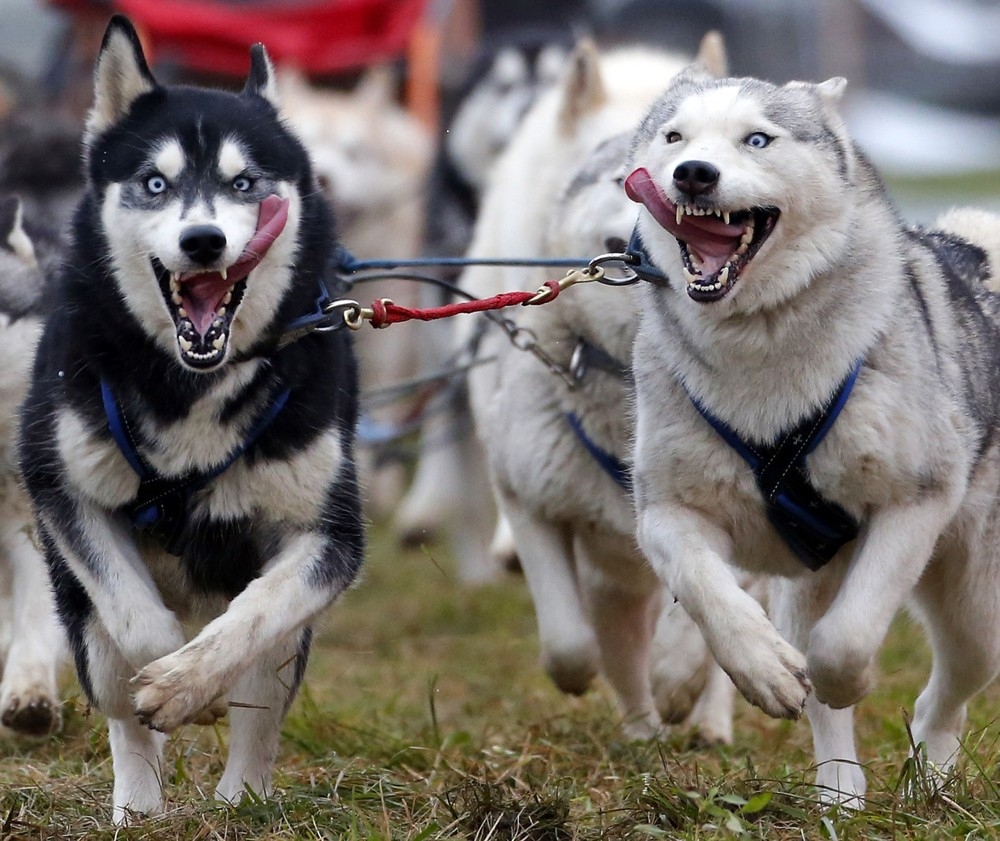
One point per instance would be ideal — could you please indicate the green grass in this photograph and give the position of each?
(426, 716)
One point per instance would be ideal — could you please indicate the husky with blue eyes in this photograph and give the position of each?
(187, 441)
(818, 400)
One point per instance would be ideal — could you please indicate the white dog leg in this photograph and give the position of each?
(795, 606)
(678, 658)
(29, 696)
(258, 705)
(569, 651)
(886, 567)
(839, 776)
(712, 716)
(623, 608)
(689, 552)
(959, 613)
(136, 753)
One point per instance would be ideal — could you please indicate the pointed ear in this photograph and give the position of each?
(261, 81)
(291, 82)
(120, 77)
(12, 230)
(832, 90)
(377, 87)
(712, 54)
(582, 86)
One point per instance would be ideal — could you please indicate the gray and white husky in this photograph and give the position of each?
(818, 398)
(188, 463)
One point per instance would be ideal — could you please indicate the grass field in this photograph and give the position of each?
(426, 716)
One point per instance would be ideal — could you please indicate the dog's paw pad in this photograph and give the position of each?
(38, 716)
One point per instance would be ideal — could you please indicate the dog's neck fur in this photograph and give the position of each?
(807, 343)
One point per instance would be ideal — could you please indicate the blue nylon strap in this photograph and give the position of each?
(346, 262)
(162, 504)
(609, 462)
(813, 527)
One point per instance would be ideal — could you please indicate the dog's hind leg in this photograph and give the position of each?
(258, 704)
(569, 650)
(623, 603)
(959, 612)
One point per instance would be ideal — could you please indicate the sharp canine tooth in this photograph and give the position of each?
(725, 216)
(185, 344)
(219, 343)
(220, 311)
(690, 276)
(182, 312)
(224, 272)
(724, 274)
(680, 213)
(228, 298)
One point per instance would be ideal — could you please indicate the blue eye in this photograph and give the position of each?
(156, 184)
(758, 140)
(241, 183)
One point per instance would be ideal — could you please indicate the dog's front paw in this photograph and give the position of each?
(770, 673)
(169, 693)
(34, 714)
(841, 673)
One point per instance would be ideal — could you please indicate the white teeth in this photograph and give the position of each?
(725, 216)
(690, 276)
(724, 274)
(680, 213)
(219, 343)
(747, 234)
(228, 298)
(220, 311)
(224, 272)
(175, 296)
(185, 344)
(175, 282)
(182, 312)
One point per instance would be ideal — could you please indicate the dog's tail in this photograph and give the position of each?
(981, 228)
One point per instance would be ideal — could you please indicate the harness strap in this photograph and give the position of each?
(609, 462)
(643, 266)
(162, 503)
(813, 527)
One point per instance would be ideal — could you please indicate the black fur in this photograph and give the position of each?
(93, 337)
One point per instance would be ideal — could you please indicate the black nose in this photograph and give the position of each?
(695, 177)
(203, 243)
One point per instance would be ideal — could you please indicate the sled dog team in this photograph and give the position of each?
(750, 460)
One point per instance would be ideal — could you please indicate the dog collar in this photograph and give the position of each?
(813, 527)
(643, 265)
(162, 505)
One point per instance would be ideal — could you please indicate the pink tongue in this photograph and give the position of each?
(710, 239)
(203, 293)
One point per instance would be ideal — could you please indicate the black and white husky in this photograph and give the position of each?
(185, 463)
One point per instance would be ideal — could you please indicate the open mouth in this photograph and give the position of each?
(716, 244)
(204, 302)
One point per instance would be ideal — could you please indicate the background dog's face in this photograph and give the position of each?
(745, 188)
(199, 194)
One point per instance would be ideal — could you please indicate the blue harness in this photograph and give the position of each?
(162, 504)
(813, 527)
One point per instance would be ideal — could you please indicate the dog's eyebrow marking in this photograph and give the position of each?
(232, 159)
(169, 159)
